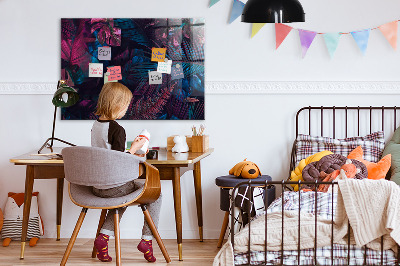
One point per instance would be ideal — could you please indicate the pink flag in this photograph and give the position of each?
(389, 30)
(281, 31)
(306, 39)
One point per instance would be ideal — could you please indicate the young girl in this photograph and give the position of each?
(113, 103)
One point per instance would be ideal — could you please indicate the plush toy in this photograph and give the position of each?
(13, 215)
(296, 174)
(245, 169)
(180, 144)
(375, 170)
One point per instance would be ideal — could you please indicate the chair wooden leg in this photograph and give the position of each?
(223, 229)
(117, 238)
(154, 230)
(73, 237)
(101, 222)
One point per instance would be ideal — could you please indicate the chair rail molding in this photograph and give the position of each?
(247, 87)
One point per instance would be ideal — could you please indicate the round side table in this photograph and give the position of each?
(226, 183)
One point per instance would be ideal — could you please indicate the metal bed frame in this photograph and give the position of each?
(283, 184)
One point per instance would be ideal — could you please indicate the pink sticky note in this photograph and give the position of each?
(115, 73)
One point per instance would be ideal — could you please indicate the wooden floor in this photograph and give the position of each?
(50, 252)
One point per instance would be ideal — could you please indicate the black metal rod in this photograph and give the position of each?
(266, 220)
(334, 121)
(346, 120)
(322, 121)
(333, 189)
(298, 226)
(315, 222)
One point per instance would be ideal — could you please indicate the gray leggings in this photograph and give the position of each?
(154, 208)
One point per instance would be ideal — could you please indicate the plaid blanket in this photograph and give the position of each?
(323, 205)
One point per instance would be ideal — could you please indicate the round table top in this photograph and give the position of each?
(230, 181)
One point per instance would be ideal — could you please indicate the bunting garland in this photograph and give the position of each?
(361, 37)
(237, 9)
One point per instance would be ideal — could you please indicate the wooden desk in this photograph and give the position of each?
(168, 163)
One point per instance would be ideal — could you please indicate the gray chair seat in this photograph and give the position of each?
(83, 196)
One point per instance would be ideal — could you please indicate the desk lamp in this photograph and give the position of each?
(273, 11)
(65, 96)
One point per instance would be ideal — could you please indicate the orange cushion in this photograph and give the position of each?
(375, 170)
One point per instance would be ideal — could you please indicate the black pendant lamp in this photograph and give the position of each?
(273, 11)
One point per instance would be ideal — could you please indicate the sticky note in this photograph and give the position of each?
(115, 73)
(96, 70)
(177, 72)
(104, 53)
(158, 54)
(155, 77)
(106, 75)
(164, 67)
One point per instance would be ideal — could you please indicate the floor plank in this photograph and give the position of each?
(49, 252)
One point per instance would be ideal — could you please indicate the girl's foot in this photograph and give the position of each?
(101, 245)
(146, 247)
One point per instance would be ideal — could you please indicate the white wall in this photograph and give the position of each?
(258, 126)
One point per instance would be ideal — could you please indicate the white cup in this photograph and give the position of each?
(144, 134)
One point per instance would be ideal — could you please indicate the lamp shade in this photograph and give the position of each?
(65, 96)
(273, 11)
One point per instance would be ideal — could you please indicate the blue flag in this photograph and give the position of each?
(237, 10)
(332, 41)
(361, 38)
(213, 2)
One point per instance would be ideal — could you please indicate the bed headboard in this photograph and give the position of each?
(344, 121)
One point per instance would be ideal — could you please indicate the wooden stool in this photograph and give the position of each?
(226, 183)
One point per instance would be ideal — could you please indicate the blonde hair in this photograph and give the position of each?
(113, 98)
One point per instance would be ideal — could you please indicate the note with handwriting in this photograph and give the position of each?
(164, 67)
(95, 70)
(158, 54)
(104, 53)
(155, 77)
(115, 73)
(177, 72)
(106, 75)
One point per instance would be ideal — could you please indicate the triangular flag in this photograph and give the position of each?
(256, 28)
(332, 41)
(361, 37)
(237, 10)
(213, 2)
(281, 31)
(390, 32)
(306, 39)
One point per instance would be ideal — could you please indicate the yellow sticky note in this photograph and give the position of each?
(158, 54)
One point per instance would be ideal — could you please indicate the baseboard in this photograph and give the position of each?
(248, 87)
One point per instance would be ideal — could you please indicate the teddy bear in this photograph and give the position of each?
(13, 215)
(180, 144)
(245, 169)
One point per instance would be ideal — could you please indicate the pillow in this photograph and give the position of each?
(372, 144)
(296, 174)
(375, 170)
(393, 148)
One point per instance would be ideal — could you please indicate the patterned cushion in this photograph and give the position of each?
(372, 144)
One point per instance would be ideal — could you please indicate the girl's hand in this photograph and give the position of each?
(137, 144)
(142, 155)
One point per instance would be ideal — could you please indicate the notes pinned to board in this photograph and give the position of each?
(104, 53)
(95, 70)
(115, 73)
(165, 67)
(155, 77)
(177, 72)
(158, 54)
(106, 75)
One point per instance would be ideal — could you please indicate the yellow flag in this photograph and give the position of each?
(256, 28)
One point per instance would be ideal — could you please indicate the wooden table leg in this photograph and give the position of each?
(176, 182)
(27, 206)
(223, 229)
(60, 191)
(199, 203)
